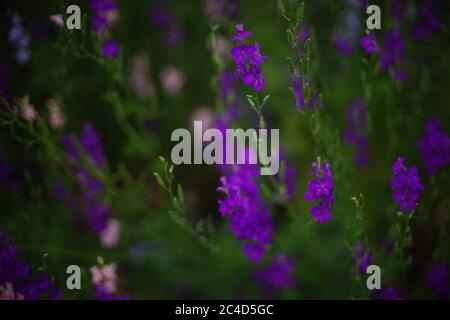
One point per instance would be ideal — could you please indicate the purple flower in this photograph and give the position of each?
(110, 49)
(356, 132)
(16, 279)
(363, 258)
(427, 22)
(248, 60)
(405, 185)
(277, 275)
(321, 190)
(249, 215)
(298, 92)
(342, 44)
(437, 279)
(20, 39)
(369, 44)
(394, 52)
(105, 14)
(434, 145)
(387, 293)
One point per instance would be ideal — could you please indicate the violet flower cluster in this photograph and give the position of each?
(16, 279)
(248, 60)
(250, 218)
(106, 14)
(406, 185)
(437, 279)
(394, 53)
(93, 208)
(277, 275)
(356, 133)
(434, 146)
(320, 189)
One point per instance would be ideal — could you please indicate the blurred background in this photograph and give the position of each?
(86, 114)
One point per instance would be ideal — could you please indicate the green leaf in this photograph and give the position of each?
(299, 13)
(159, 180)
(180, 193)
(281, 8)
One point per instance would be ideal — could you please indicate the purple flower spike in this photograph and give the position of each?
(248, 60)
(405, 185)
(321, 190)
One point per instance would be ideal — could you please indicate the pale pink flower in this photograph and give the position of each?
(109, 237)
(7, 293)
(28, 111)
(172, 80)
(57, 19)
(105, 276)
(205, 115)
(223, 47)
(56, 117)
(139, 79)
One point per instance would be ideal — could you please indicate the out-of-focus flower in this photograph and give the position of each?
(427, 22)
(434, 145)
(104, 279)
(437, 279)
(369, 44)
(356, 132)
(405, 185)
(140, 80)
(106, 14)
(16, 279)
(20, 39)
(277, 275)
(342, 44)
(109, 237)
(92, 205)
(28, 111)
(205, 115)
(110, 49)
(57, 19)
(172, 80)
(363, 258)
(221, 11)
(394, 51)
(321, 190)
(56, 117)
(387, 293)
(248, 60)
(249, 215)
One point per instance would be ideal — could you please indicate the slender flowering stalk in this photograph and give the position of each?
(406, 185)
(94, 208)
(106, 14)
(16, 279)
(320, 189)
